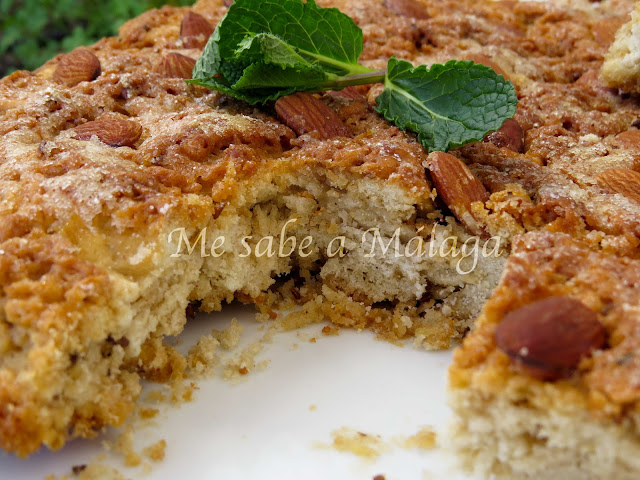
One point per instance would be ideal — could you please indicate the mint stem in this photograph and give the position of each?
(339, 83)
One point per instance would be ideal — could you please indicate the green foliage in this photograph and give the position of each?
(265, 49)
(33, 31)
(448, 105)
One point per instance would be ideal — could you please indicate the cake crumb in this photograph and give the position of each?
(309, 313)
(358, 443)
(124, 445)
(379, 477)
(312, 408)
(230, 336)
(329, 330)
(156, 451)
(243, 363)
(203, 357)
(156, 396)
(425, 439)
(97, 471)
(181, 392)
(148, 413)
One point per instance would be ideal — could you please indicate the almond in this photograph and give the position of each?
(349, 92)
(407, 8)
(621, 180)
(629, 139)
(79, 65)
(112, 130)
(458, 187)
(548, 338)
(487, 61)
(604, 31)
(195, 31)
(510, 135)
(305, 113)
(174, 65)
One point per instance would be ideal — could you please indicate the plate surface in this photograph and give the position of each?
(277, 424)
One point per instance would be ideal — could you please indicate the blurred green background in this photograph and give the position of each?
(33, 31)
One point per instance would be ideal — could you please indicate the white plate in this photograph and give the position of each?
(264, 428)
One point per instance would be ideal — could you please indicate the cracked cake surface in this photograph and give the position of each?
(101, 162)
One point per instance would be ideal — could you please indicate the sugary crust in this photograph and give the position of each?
(82, 223)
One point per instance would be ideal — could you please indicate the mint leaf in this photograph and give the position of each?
(447, 105)
(267, 48)
(262, 50)
(323, 36)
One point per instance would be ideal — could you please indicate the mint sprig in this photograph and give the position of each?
(447, 105)
(265, 49)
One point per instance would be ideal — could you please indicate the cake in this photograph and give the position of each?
(117, 180)
(621, 68)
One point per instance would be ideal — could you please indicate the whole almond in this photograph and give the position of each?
(112, 130)
(79, 65)
(510, 135)
(174, 65)
(349, 92)
(621, 180)
(458, 187)
(407, 8)
(604, 31)
(305, 113)
(548, 338)
(488, 62)
(629, 139)
(195, 30)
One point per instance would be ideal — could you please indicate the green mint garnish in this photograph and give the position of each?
(265, 49)
(447, 105)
